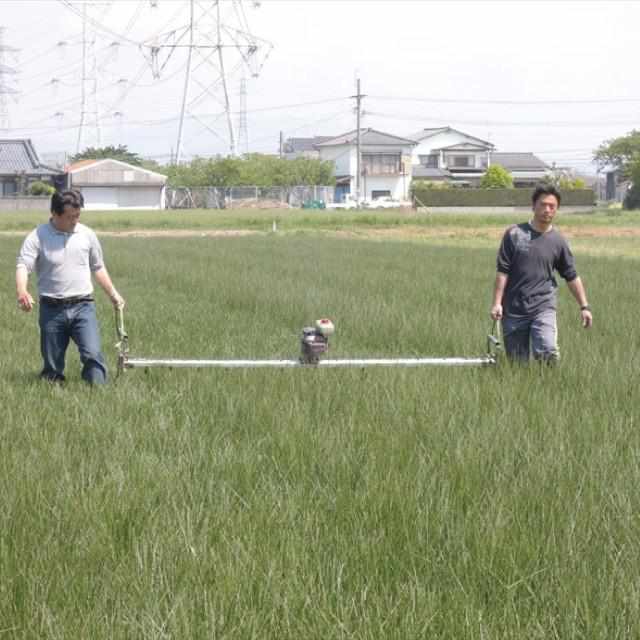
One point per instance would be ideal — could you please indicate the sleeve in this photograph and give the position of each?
(29, 252)
(505, 253)
(565, 263)
(96, 261)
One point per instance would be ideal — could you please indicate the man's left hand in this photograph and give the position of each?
(587, 318)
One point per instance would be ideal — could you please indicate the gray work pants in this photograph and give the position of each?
(537, 333)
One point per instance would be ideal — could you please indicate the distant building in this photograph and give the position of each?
(445, 154)
(112, 184)
(303, 147)
(385, 164)
(20, 167)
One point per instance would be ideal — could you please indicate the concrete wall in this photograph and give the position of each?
(525, 211)
(25, 203)
(398, 187)
(344, 158)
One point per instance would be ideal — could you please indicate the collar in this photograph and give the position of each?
(62, 233)
(530, 223)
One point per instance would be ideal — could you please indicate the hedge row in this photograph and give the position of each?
(472, 197)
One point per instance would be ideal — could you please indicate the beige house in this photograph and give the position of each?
(112, 184)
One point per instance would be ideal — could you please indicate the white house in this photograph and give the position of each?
(444, 154)
(112, 184)
(385, 164)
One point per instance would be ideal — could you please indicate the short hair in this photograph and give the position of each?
(545, 190)
(60, 199)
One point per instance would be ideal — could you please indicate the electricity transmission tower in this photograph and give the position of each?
(7, 82)
(89, 127)
(217, 38)
(243, 129)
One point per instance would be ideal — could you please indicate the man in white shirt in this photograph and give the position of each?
(65, 253)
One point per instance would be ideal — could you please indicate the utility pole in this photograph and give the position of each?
(281, 147)
(6, 88)
(358, 97)
(187, 81)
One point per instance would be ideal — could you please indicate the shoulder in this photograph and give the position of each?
(86, 231)
(557, 238)
(515, 230)
(40, 232)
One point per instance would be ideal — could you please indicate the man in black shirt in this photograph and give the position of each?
(525, 290)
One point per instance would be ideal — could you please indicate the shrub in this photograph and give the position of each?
(40, 188)
(496, 177)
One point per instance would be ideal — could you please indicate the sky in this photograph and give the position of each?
(553, 78)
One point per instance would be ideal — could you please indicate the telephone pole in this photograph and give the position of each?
(358, 98)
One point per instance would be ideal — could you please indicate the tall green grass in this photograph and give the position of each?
(296, 219)
(435, 503)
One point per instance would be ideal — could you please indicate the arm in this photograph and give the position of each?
(503, 263)
(25, 264)
(25, 301)
(104, 280)
(577, 289)
(498, 293)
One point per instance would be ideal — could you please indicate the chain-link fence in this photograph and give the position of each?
(246, 197)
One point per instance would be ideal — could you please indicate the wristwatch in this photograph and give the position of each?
(585, 307)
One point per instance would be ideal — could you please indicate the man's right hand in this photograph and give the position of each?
(496, 312)
(25, 301)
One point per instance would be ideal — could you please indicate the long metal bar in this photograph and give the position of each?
(144, 363)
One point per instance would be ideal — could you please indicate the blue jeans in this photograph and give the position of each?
(77, 322)
(537, 333)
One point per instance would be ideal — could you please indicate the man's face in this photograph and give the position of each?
(67, 220)
(544, 209)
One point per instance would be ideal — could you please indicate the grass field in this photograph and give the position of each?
(436, 503)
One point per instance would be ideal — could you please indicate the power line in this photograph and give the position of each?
(498, 123)
(552, 101)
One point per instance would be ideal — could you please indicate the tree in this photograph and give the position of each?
(619, 153)
(567, 184)
(632, 199)
(496, 177)
(121, 152)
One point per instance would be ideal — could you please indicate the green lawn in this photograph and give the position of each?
(434, 503)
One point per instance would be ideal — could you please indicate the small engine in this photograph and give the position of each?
(315, 341)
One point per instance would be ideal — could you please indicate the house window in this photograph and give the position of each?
(382, 193)
(381, 163)
(430, 161)
(461, 161)
(9, 188)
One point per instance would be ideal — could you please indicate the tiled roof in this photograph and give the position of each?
(298, 145)
(19, 156)
(518, 161)
(429, 172)
(367, 136)
(423, 134)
